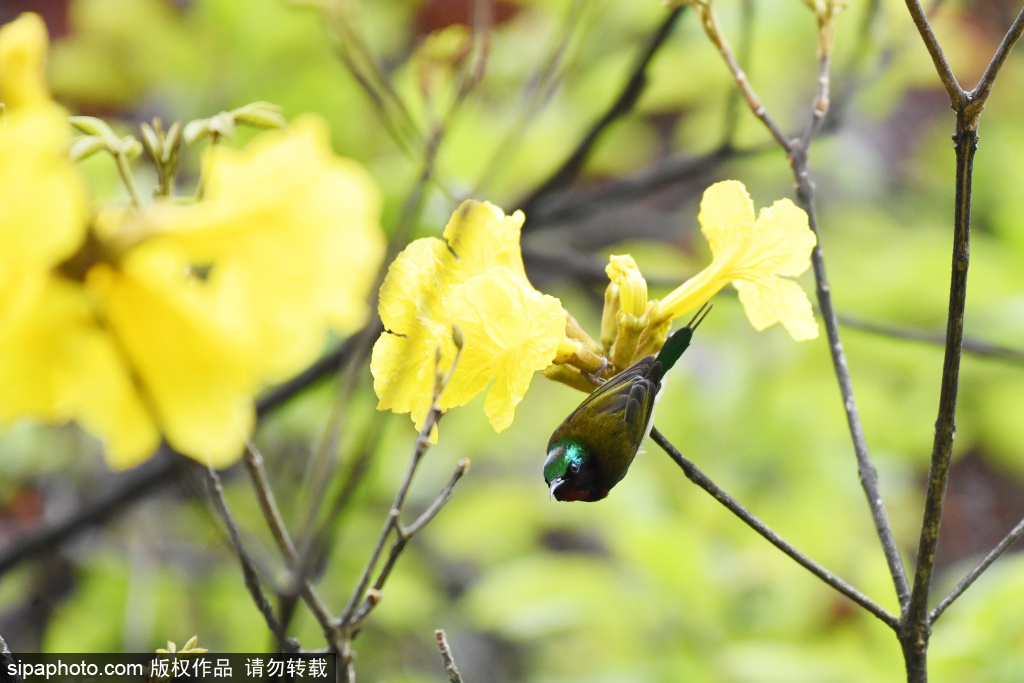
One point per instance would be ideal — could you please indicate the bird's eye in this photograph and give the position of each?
(575, 467)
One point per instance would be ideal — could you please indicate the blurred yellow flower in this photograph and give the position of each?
(42, 200)
(473, 279)
(166, 321)
(293, 234)
(756, 255)
(23, 48)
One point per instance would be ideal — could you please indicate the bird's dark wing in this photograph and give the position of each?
(612, 421)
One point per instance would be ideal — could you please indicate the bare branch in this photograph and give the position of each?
(252, 580)
(980, 94)
(973, 347)
(402, 537)
(446, 656)
(865, 467)
(957, 96)
(700, 479)
(971, 577)
(709, 21)
(392, 523)
(257, 473)
(622, 105)
(916, 621)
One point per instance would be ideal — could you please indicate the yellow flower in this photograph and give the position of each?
(23, 47)
(42, 200)
(474, 279)
(293, 234)
(622, 270)
(185, 350)
(756, 255)
(57, 364)
(165, 322)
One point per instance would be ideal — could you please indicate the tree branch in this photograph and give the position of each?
(865, 467)
(446, 656)
(980, 94)
(252, 579)
(797, 150)
(917, 626)
(957, 96)
(973, 347)
(973, 575)
(163, 468)
(622, 105)
(261, 485)
(700, 479)
(402, 537)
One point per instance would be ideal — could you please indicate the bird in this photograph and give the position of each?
(592, 449)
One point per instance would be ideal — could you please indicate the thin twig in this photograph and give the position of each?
(709, 21)
(394, 515)
(700, 479)
(953, 89)
(973, 575)
(446, 656)
(392, 521)
(973, 347)
(984, 87)
(402, 537)
(252, 579)
(732, 103)
(821, 104)
(542, 84)
(364, 66)
(622, 105)
(865, 467)
(572, 205)
(797, 151)
(253, 460)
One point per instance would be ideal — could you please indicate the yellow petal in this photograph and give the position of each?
(726, 215)
(57, 364)
(189, 355)
(294, 232)
(417, 322)
(23, 46)
(511, 332)
(474, 280)
(775, 299)
(622, 270)
(780, 242)
(483, 237)
(404, 369)
(415, 287)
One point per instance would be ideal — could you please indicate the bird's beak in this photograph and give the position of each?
(555, 483)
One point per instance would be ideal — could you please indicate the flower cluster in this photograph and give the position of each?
(155, 322)
(473, 280)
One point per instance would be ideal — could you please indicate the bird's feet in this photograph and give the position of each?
(596, 378)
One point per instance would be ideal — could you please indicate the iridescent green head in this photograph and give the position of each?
(571, 472)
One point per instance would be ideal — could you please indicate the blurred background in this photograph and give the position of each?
(658, 582)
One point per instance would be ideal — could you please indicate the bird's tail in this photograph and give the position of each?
(679, 340)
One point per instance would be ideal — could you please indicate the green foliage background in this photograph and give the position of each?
(658, 582)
